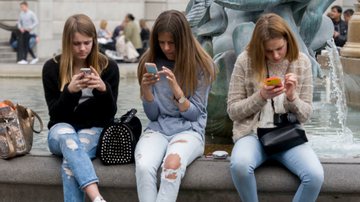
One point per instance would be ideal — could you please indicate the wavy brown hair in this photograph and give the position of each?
(189, 54)
(270, 26)
(81, 24)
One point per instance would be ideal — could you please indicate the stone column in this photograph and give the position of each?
(350, 59)
(47, 45)
(352, 46)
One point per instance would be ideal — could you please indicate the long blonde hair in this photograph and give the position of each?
(269, 26)
(82, 24)
(189, 54)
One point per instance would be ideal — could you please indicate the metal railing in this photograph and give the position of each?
(8, 27)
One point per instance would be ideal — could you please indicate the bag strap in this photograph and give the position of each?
(272, 101)
(268, 76)
(129, 115)
(32, 113)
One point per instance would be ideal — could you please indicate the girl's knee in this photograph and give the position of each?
(144, 167)
(318, 176)
(241, 166)
(315, 177)
(171, 167)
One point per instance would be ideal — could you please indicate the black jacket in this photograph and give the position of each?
(64, 106)
(340, 27)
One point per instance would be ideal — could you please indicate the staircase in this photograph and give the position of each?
(7, 54)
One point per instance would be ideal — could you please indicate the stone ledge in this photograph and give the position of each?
(37, 178)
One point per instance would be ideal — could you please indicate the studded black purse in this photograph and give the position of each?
(118, 140)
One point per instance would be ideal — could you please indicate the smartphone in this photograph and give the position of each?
(86, 70)
(273, 81)
(151, 68)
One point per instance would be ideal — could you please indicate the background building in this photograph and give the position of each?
(53, 13)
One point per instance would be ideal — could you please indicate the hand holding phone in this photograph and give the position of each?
(273, 81)
(151, 68)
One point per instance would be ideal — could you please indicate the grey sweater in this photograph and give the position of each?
(165, 116)
(27, 20)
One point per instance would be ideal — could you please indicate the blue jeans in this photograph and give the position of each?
(77, 149)
(301, 160)
(151, 151)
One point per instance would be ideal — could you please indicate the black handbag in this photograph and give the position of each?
(118, 140)
(281, 138)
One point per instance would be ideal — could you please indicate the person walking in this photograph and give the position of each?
(272, 51)
(81, 102)
(26, 24)
(174, 100)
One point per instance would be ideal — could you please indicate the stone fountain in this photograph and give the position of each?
(224, 27)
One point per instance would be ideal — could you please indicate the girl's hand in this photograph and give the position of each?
(269, 92)
(148, 79)
(290, 86)
(78, 82)
(175, 88)
(95, 81)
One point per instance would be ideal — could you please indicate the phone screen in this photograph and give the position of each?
(151, 68)
(86, 70)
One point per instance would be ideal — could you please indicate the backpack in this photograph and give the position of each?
(118, 140)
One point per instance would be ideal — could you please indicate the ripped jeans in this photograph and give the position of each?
(175, 153)
(77, 149)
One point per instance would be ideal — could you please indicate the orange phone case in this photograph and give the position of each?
(272, 81)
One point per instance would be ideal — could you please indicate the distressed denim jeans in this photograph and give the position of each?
(301, 160)
(152, 150)
(77, 149)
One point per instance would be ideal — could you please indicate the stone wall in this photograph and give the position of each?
(37, 178)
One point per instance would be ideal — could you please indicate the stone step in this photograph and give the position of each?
(6, 57)
(4, 43)
(7, 54)
(6, 48)
(8, 60)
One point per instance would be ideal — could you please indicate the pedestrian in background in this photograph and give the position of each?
(26, 24)
(340, 27)
(132, 32)
(348, 13)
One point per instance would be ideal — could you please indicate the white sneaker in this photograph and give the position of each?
(34, 61)
(22, 62)
(99, 199)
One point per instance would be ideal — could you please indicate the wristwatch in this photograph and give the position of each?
(181, 100)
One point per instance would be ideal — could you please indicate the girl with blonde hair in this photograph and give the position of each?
(272, 51)
(80, 104)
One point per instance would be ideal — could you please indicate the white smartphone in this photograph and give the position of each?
(151, 68)
(86, 70)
